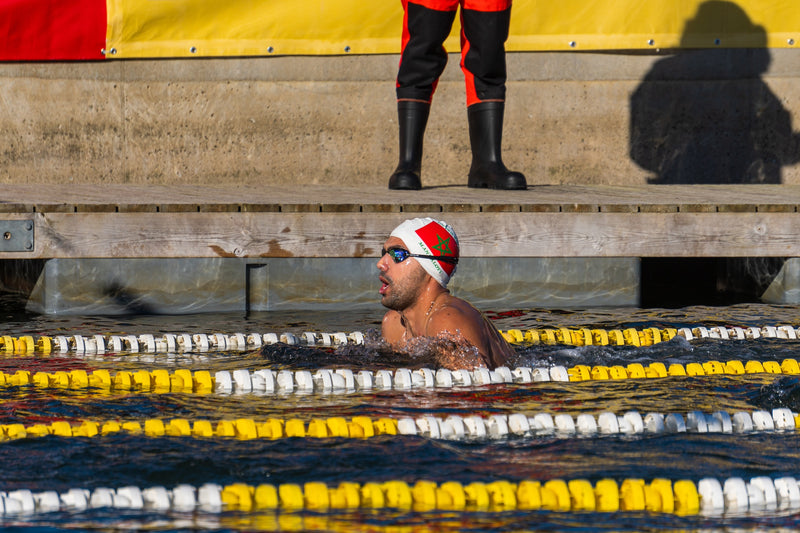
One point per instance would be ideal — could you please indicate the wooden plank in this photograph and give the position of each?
(381, 208)
(421, 207)
(301, 208)
(545, 221)
(659, 208)
(736, 208)
(580, 208)
(501, 208)
(6, 207)
(461, 208)
(698, 208)
(181, 208)
(69, 197)
(619, 208)
(259, 208)
(518, 234)
(541, 208)
(55, 208)
(126, 208)
(214, 207)
(340, 208)
(776, 208)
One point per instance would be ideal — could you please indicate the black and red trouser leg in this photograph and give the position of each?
(484, 30)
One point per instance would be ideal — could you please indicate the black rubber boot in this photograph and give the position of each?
(412, 117)
(486, 139)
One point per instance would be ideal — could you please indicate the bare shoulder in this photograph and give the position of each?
(466, 322)
(392, 327)
(454, 316)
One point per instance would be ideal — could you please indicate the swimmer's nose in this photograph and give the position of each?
(383, 263)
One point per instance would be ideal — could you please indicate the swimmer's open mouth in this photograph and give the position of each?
(385, 284)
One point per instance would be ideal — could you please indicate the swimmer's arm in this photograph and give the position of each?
(392, 329)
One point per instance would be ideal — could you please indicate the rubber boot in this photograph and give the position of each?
(412, 117)
(485, 137)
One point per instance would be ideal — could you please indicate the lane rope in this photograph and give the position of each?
(166, 343)
(453, 427)
(708, 496)
(342, 380)
(202, 342)
(644, 337)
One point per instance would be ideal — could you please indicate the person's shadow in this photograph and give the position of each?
(705, 115)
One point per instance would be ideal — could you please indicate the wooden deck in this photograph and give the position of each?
(322, 221)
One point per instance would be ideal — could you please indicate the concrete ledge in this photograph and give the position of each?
(332, 120)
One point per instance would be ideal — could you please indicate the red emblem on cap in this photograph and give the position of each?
(440, 242)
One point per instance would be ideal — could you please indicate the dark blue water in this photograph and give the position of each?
(117, 460)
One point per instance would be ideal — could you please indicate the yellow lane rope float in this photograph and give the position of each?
(453, 427)
(202, 342)
(683, 497)
(342, 380)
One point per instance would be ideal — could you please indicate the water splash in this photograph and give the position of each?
(441, 351)
(782, 392)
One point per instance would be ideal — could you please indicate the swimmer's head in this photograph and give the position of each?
(426, 236)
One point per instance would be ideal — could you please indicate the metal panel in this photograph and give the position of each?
(16, 235)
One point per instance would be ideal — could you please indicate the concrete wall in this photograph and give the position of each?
(182, 286)
(332, 120)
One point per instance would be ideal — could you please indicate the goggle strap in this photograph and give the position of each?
(396, 259)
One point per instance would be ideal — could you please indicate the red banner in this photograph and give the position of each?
(33, 30)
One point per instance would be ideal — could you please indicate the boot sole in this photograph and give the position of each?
(494, 187)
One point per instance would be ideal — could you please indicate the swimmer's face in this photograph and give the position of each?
(401, 283)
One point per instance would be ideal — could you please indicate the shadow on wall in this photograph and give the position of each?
(705, 116)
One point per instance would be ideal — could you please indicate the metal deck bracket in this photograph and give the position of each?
(16, 235)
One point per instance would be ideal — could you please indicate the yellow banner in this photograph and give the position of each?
(194, 28)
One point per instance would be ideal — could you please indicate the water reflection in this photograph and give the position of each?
(118, 459)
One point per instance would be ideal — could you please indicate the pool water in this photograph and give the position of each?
(122, 459)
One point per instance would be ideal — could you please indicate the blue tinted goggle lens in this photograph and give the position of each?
(398, 255)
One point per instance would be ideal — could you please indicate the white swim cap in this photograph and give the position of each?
(426, 236)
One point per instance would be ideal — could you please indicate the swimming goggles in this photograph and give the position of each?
(399, 255)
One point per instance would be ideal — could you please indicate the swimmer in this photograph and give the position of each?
(416, 263)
